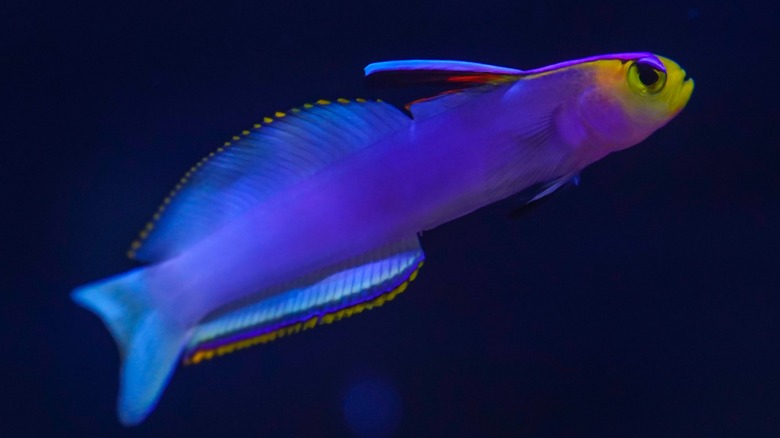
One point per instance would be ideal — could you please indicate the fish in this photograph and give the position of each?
(314, 214)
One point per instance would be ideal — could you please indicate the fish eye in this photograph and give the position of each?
(647, 74)
(646, 79)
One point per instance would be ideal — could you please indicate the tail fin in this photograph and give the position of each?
(149, 342)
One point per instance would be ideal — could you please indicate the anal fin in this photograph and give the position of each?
(344, 290)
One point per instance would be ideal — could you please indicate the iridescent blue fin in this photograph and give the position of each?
(341, 291)
(257, 164)
(149, 342)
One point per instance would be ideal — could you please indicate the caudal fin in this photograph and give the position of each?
(149, 342)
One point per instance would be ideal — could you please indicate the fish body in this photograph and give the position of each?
(314, 215)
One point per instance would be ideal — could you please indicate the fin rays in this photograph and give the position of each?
(361, 284)
(255, 165)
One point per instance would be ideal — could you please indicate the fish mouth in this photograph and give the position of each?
(687, 87)
(683, 92)
(686, 79)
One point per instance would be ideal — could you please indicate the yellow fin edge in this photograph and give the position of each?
(149, 227)
(199, 356)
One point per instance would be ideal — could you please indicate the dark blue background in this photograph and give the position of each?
(643, 303)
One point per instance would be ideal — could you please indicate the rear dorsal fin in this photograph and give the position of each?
(257, 164)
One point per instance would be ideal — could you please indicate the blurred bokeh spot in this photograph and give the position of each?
(372, 408)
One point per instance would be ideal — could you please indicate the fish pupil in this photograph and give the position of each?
(647, 74)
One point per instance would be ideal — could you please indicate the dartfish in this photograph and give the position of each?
(314, 214)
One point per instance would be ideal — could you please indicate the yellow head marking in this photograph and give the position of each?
(644, 87)
(621, 101)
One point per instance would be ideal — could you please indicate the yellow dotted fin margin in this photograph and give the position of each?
(198, 355)
(149, 227)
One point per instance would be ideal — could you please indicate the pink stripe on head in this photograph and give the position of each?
(645, 57)
(443, 67)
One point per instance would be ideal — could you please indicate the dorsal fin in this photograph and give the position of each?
(462, 80)
(255, 165)
(460, 74)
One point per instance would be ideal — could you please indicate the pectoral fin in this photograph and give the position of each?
(535, 195)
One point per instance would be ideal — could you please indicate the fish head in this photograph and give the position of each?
(631, 97)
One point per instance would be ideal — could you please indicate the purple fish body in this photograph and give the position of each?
(313, 215)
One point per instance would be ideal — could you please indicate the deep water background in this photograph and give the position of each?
(643, 303)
